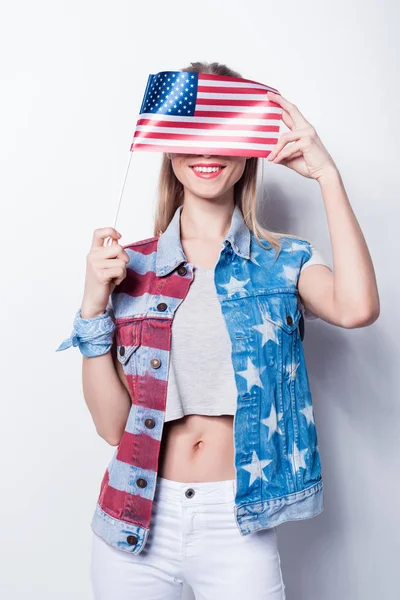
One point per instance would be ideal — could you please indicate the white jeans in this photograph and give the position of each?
(193, 538)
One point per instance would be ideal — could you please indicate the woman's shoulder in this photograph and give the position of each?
(312, 255)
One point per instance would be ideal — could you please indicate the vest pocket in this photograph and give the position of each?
(127, 336)
(281, 309)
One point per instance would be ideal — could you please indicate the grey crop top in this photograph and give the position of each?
(201, 378)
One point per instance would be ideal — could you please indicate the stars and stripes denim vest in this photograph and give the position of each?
(277, 462)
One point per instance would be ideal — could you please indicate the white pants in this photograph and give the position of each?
(195, 539)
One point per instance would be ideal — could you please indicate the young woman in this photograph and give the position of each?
(203, 389)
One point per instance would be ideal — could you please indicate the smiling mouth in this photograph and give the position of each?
(207, 172)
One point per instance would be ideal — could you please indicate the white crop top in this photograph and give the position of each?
(201, 379)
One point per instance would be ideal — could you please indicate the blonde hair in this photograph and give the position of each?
(170, 189)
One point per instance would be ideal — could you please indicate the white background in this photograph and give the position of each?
(72, 80)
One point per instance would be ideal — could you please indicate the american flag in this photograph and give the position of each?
(193, 113)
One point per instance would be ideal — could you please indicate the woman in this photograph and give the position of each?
(209, 403)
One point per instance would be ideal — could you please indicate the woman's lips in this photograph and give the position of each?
(210, 175)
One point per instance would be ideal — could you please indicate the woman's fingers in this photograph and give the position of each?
(100, 234)
(110, 263)
(291, 109)
(290, 136)
(101, 253)
(290, 151)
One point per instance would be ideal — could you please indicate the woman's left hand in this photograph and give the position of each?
(307, 155)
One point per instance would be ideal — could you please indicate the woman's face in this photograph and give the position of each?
(212, 184)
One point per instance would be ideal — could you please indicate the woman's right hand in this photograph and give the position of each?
(105, 268)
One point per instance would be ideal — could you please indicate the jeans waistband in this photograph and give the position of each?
(203, 492)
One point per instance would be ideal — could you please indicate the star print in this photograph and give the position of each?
(290, 273)
(268, 331)
(234, 285)
(255, 468)
(297, 457)
(253, 257)
(308, 413)
(272, 422)
(294, 246)
(252, 375)
(291, 370)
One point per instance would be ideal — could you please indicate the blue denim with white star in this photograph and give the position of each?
(276, 447)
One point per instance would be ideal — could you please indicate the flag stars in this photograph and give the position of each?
(291, 370)
(255, 468)
(296, 458)
(290, 273)
(268, 332)
(234, 285)
(252, 375)
(272, 422)
(308, 413)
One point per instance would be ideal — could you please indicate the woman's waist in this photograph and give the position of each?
(198, 448)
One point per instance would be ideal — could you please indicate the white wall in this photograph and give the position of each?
(72, 80)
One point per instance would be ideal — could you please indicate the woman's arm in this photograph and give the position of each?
(106, 395)
(348, 297)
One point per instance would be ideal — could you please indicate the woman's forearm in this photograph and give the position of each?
(354, 276)
(106, 397)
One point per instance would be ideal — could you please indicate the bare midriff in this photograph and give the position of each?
(197, 448)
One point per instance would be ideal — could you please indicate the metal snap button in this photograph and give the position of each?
(162, 306)
(150, 423)
(182, 270)
(141, 482)
(155, 363)
(132, 540)
(122, 350)
(289, 320)
(189, 493)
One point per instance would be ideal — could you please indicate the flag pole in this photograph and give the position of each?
(120, 197)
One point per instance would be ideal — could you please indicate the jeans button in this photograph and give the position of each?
(155, 363)
(132, 540)
(189, 493)
(182, 270)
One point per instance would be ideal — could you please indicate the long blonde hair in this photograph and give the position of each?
(170, 189)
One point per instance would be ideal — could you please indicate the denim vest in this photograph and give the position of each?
(277, 462)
